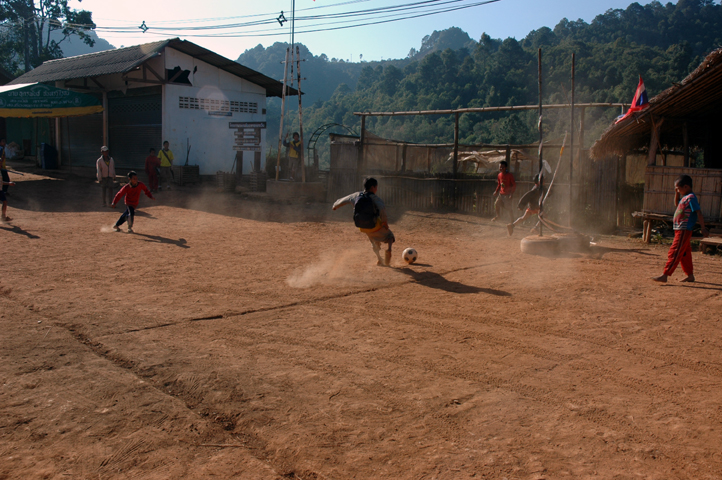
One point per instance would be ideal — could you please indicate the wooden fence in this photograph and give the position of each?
(659, 190)
(602, 198)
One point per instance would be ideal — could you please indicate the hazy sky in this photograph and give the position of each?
(502, 19)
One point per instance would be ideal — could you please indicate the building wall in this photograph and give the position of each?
(200, 114)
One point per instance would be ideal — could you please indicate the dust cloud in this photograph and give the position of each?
(347, 267)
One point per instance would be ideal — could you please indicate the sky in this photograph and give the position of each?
(118, 22)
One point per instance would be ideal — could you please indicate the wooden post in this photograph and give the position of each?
(541, 142)
(283, 107)
(360, 162)
(105, 119)
(58, 138)
(645, 231)
(456, 155)
(654, 142)
(300, 113)
(571, 146)
(456, 143)
(621, 183)
(403, 158)
(582, 157)
(685, 141)
(239, 168)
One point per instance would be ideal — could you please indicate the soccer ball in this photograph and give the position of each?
(410, 255)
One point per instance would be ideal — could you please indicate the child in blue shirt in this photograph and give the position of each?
(688, 213)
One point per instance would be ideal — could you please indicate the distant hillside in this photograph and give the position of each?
(662, 43)
(325, 75)
(73, 46)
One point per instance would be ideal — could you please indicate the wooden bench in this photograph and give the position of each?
(708, 243)
(649, 219)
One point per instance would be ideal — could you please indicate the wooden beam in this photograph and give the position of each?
(92, 79)
(177, 74)
(161, 79)
(685, 142)
(484, 109)
(140, 80)
(654, 141)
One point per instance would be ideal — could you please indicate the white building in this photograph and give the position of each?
(169, 90)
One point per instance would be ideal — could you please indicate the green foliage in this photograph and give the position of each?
(29, 27)
(662, 43)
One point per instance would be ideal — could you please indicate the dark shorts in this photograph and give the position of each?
(3, 197)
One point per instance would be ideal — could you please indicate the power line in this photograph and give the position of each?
(402, 14)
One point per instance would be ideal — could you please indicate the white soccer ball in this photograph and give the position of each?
(410, 255)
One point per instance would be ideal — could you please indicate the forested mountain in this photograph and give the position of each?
(662, 43)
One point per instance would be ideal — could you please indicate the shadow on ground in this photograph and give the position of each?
(435, 280)
(19, 231)
(181, 242)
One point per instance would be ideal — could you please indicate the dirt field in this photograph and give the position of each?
(232, 338)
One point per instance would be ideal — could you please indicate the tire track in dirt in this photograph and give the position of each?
(298, 303)
(574, 362)
(131, 447)
(263, 452)
(254, 445)
(593, 414)
(569, 334)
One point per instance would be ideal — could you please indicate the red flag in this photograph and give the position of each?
(639, 102)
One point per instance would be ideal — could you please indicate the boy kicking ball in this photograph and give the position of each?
(131, 192)
(369, 215)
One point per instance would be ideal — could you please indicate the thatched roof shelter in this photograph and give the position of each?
(686, 114)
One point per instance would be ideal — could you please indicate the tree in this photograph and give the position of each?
(31, 23)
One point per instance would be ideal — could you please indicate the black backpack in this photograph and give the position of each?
(364, 211)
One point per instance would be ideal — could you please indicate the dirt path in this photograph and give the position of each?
(231, 338)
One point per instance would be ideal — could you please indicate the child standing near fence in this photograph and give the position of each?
(505, 187)
(685, 217)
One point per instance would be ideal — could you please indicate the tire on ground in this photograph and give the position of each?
(537, 245)
(572, 242)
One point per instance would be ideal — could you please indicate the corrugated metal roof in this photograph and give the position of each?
(123, 60)
(696, 101)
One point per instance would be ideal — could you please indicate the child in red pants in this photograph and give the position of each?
(685, 217)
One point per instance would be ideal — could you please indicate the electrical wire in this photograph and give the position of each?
(419, 5)
(265, 33)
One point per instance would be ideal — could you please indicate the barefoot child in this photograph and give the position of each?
(4, 199)
(685, 217)
(131, 192)
(529, 201)
(369, 214)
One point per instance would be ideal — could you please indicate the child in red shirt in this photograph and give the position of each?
(131, 192)
(152, 164)
(505, 187)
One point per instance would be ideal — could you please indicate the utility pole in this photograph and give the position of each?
(571, 146)
(541, 144)
(300, 115)
(26, 34)
(283, 108)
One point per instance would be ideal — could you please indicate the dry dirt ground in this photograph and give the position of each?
(232, 338)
